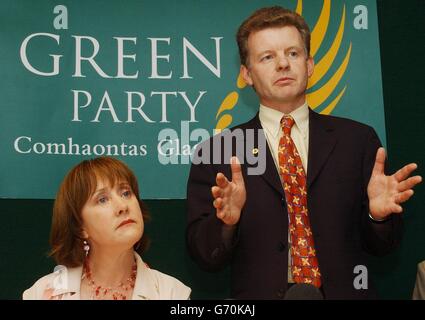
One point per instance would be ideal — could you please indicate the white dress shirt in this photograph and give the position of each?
(270, 121)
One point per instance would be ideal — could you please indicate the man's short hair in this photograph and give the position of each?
(270, 17)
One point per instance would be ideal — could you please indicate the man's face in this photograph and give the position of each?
(278, 67)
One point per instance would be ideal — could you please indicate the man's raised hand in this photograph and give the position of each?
(229, 196)
(386, 193)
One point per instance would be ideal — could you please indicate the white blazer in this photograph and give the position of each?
(150, 285)
(419, 290)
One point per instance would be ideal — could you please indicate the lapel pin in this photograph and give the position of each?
(255, 151)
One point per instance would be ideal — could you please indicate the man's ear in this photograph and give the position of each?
(310, 66)
(246, 75)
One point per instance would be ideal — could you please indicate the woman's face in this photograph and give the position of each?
(112, 218)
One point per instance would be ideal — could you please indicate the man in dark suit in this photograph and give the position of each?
(323, 200)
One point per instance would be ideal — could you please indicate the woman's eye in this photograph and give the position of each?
(127, 194)
(102, 200)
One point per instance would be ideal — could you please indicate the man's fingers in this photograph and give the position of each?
(218, 203)
(216, 192)
(396, 209)
(404, 196)
(236, 170)
(221, 214)
(221, 180)
(409, 183)
(237, 176)
(378, 168)
(404, 172)
(221, 211)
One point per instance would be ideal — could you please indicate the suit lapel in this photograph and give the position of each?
(270, 175)
(322, 140)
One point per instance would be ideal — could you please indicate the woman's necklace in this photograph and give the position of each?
(118, 292)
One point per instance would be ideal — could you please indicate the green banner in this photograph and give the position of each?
(146, 81)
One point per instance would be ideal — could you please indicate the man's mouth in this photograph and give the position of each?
(283, 80)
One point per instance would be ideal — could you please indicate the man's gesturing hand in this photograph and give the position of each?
(229, 196)
(386, 193)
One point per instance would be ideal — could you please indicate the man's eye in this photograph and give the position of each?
(293, 54)
(267, 57)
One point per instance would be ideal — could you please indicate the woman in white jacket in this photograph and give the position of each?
(96, 238)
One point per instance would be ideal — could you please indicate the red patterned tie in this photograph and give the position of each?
(305, 267)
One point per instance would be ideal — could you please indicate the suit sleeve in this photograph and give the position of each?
(205, 233)
(378, 238)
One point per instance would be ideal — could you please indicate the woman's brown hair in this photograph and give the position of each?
(80, 183)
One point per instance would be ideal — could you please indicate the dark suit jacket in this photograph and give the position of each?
(340, 161)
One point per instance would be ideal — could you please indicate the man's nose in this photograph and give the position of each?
(282, 62)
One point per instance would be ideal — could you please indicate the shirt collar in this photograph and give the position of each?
(145, 288)
(72, 287)
(270, 119)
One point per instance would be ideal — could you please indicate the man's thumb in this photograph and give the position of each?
(378, 168)
(236, 170)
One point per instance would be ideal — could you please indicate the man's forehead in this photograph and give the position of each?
(287, 36)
